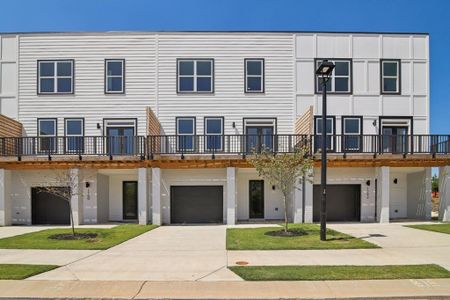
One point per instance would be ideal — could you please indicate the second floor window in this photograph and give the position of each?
(47, 135)
(390, 76)
(254, 75)
(55, 77)
(185, 133)
(114, 76)
(195, 75)
(74, 131)
(341, 78)
(214, 133)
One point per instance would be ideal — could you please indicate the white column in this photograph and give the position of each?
(444, 194)
(89, 196)
(428, 190)
(77, 195)
(297, 203)
(142, 195)
(231, 196)
(383, 194)
(156, 196)
(5, 197)
(308, 194)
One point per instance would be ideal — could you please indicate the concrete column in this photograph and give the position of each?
(302, 202)
(77, 196)
(231, 196)
(383, 174)
(308, 198)
(89, 188)
(142, 195)
(428, 190)
(156, 196)
(5, 197)
(444, 194)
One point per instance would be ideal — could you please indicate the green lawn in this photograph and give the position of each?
(268, 273)
(442, 228)
(106, 238)
(257, 239)
(17, 272)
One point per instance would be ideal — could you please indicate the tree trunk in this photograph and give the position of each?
(285, 214)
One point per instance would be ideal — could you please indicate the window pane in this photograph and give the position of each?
(47, 69)
(389, 68)
(203, 68)
(185, 126)
(75, 143)
(64, 85)
(214, 126)
(114, 84)
(254, 84)
(341, 85)
(74, 127)
(214, 142)
(186, 142)
(351, 126)
(64, 69)
(319, 126)
(114, 68)
(186, 84)
(204, 84)
(47, 85)
(186, 68)
(389, 85)
(341, 68)
(254, 68)
(320, 85)
(47, 127)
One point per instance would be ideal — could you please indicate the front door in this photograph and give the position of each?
(256, 199)
(120, 140)
(395, 139)
(259, 138)
(130, 194)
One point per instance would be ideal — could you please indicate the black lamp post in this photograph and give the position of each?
(324, 72)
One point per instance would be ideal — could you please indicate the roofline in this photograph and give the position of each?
(212, 31)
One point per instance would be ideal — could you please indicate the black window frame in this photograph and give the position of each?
(194, 76)
(263, 76)
(350, 81)
(333, 134)
(222, 135)
(55, 77)
(194, 134)
(399, 77)
(106, 76)
(343, 134)
(40, 137)
(67, 136)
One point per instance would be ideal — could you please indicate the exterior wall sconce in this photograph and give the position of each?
(368, 182)
(88, 184)
(98, 126)
(395, 180)
(273, 187)
(233, 124)
(374, 123)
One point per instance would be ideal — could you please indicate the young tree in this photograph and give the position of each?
(283, 171)
(63, 184)
(435, 184)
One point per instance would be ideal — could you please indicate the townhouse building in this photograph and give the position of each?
(156, 127)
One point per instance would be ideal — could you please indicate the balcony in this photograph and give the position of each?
(180, 146)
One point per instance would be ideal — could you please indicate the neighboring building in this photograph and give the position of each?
(157, 125)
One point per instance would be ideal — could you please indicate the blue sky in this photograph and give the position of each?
(297, 15)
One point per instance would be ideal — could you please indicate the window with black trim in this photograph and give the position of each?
(352, 133)
(74, 132)
(195, 75)
(185, 133)
(254, 75)
(47, 132)
(214, 133)
(341, 78)
(55, 77)
(114, 76)
(390, 76)
(330, 132)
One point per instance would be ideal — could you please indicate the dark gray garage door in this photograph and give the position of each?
(196, 204)
(47, 208)
(343, 202)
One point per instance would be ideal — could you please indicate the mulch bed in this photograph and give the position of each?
(77, 236)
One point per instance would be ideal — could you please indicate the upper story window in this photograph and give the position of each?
(254, 75)
(390, 76)
(214, 133)
(185, 133)
(352, 131)
(330, 131)
(341, 78)
(114, 76)
(195, 75)
(47, 130)
(55, 77)
(74, 132)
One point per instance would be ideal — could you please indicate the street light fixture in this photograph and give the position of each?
(324, 72)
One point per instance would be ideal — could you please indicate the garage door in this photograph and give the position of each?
(46, 208)
(343, 202)
(196, 204)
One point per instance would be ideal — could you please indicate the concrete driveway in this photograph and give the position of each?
(166, 253)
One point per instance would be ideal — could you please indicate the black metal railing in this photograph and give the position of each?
(148, 147)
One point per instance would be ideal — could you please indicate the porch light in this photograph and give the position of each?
(325, 68)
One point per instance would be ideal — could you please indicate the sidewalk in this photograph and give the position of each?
(370, 289)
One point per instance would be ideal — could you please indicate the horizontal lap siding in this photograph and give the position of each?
(229, 100)
(89, 100)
